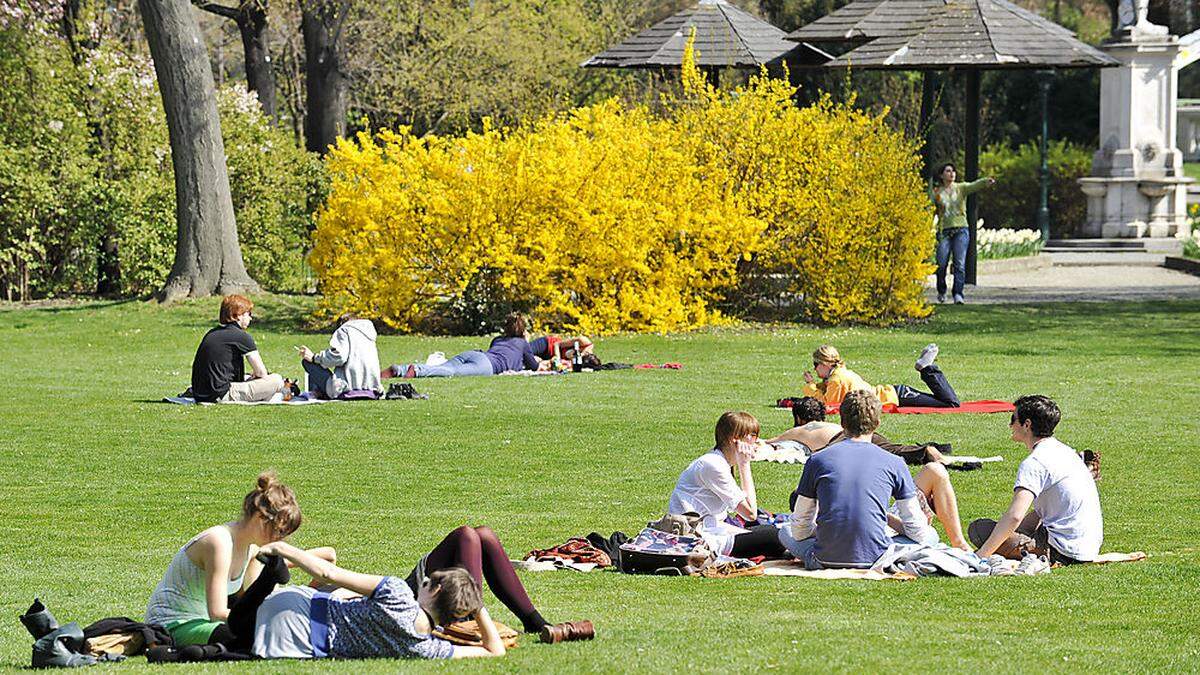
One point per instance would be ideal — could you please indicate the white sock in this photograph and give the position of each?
(927, 356)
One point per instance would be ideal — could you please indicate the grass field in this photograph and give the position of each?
(100, 484)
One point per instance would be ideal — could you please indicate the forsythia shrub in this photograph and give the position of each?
(613, 218)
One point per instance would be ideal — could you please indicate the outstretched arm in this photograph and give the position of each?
(1021, 501)
(323, 570)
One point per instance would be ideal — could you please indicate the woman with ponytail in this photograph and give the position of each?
(193, 599)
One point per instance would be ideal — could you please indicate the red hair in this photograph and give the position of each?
(233, 306)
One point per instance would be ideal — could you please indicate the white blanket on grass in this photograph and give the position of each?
(277, 399)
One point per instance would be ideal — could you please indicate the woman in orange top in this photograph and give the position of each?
(837, 380)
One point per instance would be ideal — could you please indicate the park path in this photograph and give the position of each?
(1100, 283)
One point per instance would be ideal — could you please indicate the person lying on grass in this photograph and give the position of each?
(840, 519)
(351, 355)
(837, 380)
(374, 616)
(218, 370)
(707, 488)
(1065, 522)
(192, 599)
(933, 480)
(509, 351)
(555, 350)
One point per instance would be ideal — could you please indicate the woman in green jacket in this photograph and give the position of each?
(953, 237)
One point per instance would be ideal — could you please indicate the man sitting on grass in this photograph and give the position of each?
(218, 370)
(1065, 523)
(932, 481)
(852, 481)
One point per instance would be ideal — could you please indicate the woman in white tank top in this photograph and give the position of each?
(192, 599)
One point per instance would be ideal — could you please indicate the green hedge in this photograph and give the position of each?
(1013, 201)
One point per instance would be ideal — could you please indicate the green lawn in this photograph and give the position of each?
(99, 484)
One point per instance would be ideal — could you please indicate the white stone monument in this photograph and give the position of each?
(1137, 187)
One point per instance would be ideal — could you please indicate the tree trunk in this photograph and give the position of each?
(325, 121)
(260, 76)
(207, 256)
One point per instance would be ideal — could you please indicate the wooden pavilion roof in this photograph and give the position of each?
(725, 37)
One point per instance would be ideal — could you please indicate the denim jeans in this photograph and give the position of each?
(953, 241)
(318, 378)
(942, 395)
(473, 362)
(805, 550)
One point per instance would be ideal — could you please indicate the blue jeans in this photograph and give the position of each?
(942, 394)
(952, 241)
(473, 362)
(318, 378)
(805, 550)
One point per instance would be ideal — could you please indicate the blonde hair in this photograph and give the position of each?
(860, 413)
(735, 425)
(827, 354)
(275, 503)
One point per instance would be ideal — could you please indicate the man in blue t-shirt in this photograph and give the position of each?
(852, 482)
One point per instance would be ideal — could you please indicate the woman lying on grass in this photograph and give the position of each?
(192, 600)
(707, 488)
(509, 351)
(372, 616)
(837, 380)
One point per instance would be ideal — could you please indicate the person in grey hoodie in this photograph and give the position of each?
(351, 355)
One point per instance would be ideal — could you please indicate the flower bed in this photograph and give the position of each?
(1007, 243)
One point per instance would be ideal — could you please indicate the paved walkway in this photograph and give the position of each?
(1082, 284)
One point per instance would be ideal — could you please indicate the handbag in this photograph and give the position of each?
(467, 634)
(657, 552)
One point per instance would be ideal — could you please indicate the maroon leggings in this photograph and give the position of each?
(478, 551)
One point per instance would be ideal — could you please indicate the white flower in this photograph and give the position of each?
(55, 125)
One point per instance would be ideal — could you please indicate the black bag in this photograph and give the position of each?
(669, 564)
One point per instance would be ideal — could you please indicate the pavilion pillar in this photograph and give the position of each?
(972, 166)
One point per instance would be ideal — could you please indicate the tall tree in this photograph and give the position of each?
(207, 255)
(251, 19)
(321, 22)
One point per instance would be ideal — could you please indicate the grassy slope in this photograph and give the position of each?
(100, 485)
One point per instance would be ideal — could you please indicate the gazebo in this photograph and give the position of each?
(726, 37)
(966, 35)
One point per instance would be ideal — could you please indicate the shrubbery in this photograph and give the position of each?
(613, 218)
(86, 180)
(1013, 201)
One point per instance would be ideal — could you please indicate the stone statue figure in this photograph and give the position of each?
(1131, 17)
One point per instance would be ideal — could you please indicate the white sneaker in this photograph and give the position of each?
(435, 359)
(941, 298)
(927, 357)
(958, 300)
(999, 566)
(1032, 564)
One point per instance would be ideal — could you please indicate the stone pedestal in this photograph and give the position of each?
(1137, 187)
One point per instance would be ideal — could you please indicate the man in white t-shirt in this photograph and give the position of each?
(1065, 523)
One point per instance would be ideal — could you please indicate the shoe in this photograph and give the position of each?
(1032, 564)
(941, 298)
(928, 355)
(568, 631)
(999, 566)
(38, 620)
(958, 300)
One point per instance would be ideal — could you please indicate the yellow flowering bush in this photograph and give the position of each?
(611, 217)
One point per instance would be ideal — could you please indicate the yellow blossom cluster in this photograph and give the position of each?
(611, 217)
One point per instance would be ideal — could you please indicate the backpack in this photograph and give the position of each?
(657, 552)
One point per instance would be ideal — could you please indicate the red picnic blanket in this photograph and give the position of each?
(978, 407)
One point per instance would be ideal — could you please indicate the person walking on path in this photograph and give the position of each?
(953, 235)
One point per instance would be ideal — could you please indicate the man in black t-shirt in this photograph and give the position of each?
(219, 372)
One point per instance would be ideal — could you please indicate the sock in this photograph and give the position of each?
(927, 356)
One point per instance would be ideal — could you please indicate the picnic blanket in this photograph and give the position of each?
(277, 399)
(791, 452)
(795, 568)
(972, 407)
